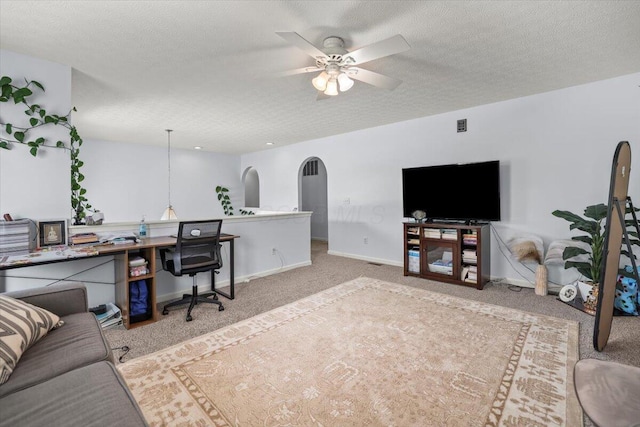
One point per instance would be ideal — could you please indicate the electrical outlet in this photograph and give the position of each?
(366, 240)
(273, 251)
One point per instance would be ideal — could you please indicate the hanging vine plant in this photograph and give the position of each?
(225, 201)
(39, 117)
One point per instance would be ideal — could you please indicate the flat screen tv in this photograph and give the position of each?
(459, 192)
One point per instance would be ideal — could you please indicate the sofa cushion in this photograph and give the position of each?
(21, 326)
(79, 343)
(94, 395)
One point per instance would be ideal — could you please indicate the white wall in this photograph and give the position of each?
(36, 187)
(126, 181)
(555, 150)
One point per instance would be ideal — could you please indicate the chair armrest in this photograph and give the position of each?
(62, 299)
(163, 257)
(219, 256)
(169, 254)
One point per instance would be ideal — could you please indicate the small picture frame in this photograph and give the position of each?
(52, 233)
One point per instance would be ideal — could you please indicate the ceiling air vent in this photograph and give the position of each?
(462, 125)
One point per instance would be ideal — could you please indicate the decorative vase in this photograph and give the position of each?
(591, 303)
(585, 289)
(541, 280)
(589, 295)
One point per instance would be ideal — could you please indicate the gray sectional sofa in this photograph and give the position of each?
(67, 378)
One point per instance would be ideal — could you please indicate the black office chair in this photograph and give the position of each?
(197, 250)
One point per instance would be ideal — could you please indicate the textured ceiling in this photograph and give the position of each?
(207, 69)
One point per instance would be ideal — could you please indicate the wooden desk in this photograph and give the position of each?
(122, 254)
(147, 250)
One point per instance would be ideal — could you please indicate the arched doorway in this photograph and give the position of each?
(251, 188)
(312, 196)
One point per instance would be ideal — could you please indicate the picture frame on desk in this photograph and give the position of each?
(52, 233)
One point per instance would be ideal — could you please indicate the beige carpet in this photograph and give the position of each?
(367, 352)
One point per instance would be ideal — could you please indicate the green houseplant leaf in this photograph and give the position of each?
(225, 201)
(595, 233)
(595, 230)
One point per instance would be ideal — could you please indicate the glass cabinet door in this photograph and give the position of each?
(440, 258)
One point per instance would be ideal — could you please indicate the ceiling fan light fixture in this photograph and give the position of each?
(339, 67)
(345, 82)
(332, 87)
(320, 81)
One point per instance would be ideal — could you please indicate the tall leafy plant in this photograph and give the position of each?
(39, 117)
(594, 226)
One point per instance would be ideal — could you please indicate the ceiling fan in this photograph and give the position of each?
(338, 67)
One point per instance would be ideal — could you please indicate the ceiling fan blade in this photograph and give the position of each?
(298, 71)
(297, 40)
(372, 78)
(390, 46)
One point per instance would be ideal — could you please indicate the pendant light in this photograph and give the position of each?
(169, 213)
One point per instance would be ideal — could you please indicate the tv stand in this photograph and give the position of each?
(458, 253)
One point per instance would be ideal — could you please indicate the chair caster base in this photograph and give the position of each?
(189, 318)
(165, 312)
(221, 308)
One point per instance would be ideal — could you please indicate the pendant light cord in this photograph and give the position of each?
(169, 160)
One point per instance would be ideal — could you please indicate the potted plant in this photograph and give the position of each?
(590, 268)
(588, 262)
(594, 226)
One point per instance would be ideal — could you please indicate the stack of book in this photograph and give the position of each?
(15, 237)
(470, 274)
(469, 256)
(470, 237)
(450, 234)
(432, 233)
(78, 239)
(414, 261)
(112, 317)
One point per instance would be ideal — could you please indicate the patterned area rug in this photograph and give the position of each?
(368, 352)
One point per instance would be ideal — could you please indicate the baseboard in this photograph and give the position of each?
(507, 280)
(225, 283)
(368, 259)
(552, 288)
(510, 281)
(245, 279)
